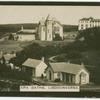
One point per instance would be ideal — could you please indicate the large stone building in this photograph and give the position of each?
(49, 29)
(90, 22)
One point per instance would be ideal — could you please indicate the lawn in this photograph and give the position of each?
(9, 45)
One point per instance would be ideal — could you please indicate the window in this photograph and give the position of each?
(81, 26)
(43, 28)
(48, 30)
(86, 26)
(56, 28)
(49, 35)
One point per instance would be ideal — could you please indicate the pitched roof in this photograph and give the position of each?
(8, 56)
(66, 67)
(26, 31)
(31, 63)
(90, 18)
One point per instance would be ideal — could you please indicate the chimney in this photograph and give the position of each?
(68, 61)
(22, 27)
(43, 59)
(1, 53)
(82, 63)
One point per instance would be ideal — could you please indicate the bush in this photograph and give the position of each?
(57, 80)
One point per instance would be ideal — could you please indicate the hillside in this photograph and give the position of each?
(9, 28)
(15, 27)
(70, 28)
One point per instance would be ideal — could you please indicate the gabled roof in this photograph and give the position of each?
(26, 31)
(31, 63)
(66, 67)
(8, 56)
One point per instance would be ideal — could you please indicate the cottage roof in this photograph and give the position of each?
(8, 56)
(31, 63)
(66, 67)
(27, 31)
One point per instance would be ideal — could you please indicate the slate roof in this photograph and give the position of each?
(31, 63)
(66, 67)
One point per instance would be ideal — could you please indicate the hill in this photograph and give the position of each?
(70, 28)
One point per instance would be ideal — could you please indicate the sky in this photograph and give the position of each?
(69, 15)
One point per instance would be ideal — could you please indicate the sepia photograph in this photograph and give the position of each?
(49, 49)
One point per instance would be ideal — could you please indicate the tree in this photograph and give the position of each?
(57, 37)
(11, 37)
(91, 37)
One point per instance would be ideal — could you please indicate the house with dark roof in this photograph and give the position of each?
(26, 34)
(67, 72)
(34, 68)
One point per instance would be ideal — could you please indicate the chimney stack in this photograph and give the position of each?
(22, 27)
(68, 61)
(43, 59)
(82, 63)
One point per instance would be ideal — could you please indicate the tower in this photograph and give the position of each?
(41, 30)
(49, 28)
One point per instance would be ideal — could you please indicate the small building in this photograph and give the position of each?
(26, 34)
(34, 67)
(67, 72)
(90, 22)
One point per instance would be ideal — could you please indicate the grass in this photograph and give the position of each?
(9, 45)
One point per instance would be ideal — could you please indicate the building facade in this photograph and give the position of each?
(26, 34)
(68, 73)
(35, 68)
(49, 28)
(90, 22)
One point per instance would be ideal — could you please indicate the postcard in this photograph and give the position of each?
(49, 49)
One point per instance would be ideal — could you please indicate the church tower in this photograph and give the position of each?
(42, 30)
(49, 28)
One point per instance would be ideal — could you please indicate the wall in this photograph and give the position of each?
(26, 37)
(49, 29)
(60, 31)
(77, 79)
(47, 73)
(40, 69)
(89, 24)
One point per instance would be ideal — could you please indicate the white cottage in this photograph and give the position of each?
(66, 72)
(35, 67)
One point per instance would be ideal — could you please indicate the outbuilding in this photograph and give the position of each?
(35, 68)
(67, 72)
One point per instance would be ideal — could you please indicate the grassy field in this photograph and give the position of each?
(9, 45)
